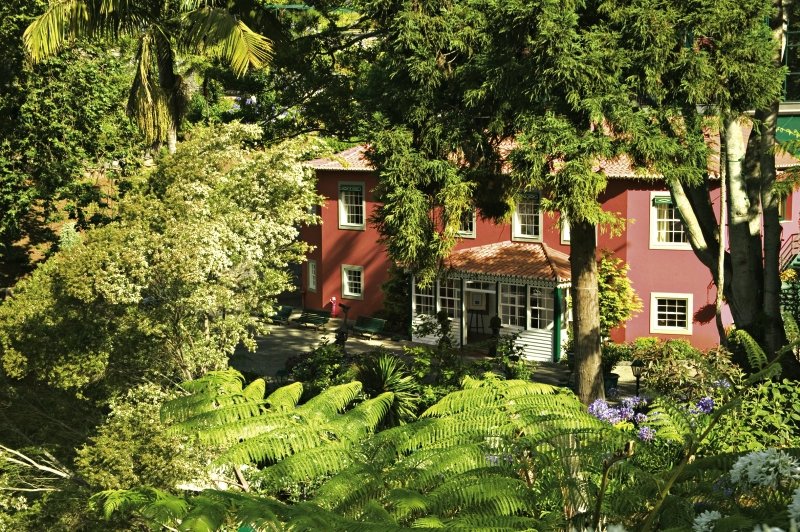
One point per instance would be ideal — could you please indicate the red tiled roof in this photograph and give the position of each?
(513, 259)
(350, 159)
(355, 159)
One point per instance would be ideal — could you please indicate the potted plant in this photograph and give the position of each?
(610, 356)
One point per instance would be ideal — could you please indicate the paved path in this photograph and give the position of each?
(285, 341)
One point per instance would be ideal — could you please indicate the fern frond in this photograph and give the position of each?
(330, 402)
(482, 494)
(768, 372)
(255, 390)
(313, 463)
(363, 419)
(495, 523)
(755, 355)
(285, 397)
(791, 328)
(351, 487)
(671, 421)
(407, 502)
(120, 501)
(434, 466)
(207, 515)
(229, 410)
(274, 445)
(164, 507)
(244, 429)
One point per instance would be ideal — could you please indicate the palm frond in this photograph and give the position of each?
(148, 103)
(218, 32)
(63, 20)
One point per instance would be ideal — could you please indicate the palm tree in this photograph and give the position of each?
(162, 28)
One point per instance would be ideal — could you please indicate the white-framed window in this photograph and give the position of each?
(541, 301)
(352, 282)
(450, 297)
(312, 276)
(466, 227)
(671, 313)
(564, 230)
(527, 219)
(512, 305)
(352, 207)
(785, 209)
(424, 301)
(666, 227)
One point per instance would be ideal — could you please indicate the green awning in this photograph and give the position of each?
(788, 129)
(662, 200)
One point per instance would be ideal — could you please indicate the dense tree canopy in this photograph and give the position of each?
(172, 287)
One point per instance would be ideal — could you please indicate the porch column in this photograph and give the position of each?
(556, 324)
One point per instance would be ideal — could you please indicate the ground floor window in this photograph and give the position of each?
(670, 313)
(352, 281)
(424, 302)
(450, 297)
(512, 305)
(541, 308)
(312, 276)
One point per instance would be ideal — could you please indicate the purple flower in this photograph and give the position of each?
(646, 434)
(639, 418)
(704, 406)
(722, 383)
(634, 402)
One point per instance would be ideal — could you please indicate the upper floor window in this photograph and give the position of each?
(466, 227)
(565, 238)
(666, 227)
(352, 282)
(527, 222)
(351, 206)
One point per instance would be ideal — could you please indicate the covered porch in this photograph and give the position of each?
(524, 284)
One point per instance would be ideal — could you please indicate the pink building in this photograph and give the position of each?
(517, 271)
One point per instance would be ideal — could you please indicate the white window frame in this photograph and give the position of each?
(424, 300)
(516, 225)
(450, 297)
(343, 223)
(311, 281)
(564, 231)
(523, 295)
(541, 305)
(346, 292)
(654, 243)
(656, 328)
(468, 234)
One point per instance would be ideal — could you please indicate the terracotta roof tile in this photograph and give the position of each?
(513, 259)
(350, 159)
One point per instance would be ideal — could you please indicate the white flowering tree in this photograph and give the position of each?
(199, 252)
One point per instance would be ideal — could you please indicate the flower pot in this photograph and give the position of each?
(610, 380)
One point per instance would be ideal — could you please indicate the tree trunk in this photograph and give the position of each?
(586, 312)
(170, 83)
(745, 301)
(720, 277)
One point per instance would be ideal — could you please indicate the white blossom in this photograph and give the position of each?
(705, 521)
(794, 506)
(765, 468)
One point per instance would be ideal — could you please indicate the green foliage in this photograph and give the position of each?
(482, 456)
(617, 299)
(132, 447)
(172, 287)
(674, 368)
(397, 301)
(387, 373)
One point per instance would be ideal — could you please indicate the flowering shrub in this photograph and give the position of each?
(626, 412)
(705, 521)
(769, 468)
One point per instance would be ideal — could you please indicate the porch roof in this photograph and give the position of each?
(514, 261)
